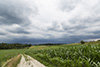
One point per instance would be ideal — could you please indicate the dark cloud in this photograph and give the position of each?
(55, 27)
(36, 41)
(73, 27)
(16, 12)
(96, 32)
(2, 33)
(19, 31)
(78, 38)
(64, 39)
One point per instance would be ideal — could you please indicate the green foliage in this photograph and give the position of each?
(8, 54)
(69, 56)
(82, 42)
(13, 46)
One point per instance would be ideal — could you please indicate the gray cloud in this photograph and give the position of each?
(16, 12)
(2, 33)
(68, 5)
(19, 31)
(55, 27)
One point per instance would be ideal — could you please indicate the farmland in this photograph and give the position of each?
(70, 55)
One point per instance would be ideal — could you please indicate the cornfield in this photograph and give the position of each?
(69, 56)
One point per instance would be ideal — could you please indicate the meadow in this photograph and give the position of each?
(66, 55)
(8, 54)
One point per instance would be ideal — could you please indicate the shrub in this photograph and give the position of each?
(82, 42)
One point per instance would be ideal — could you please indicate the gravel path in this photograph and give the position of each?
(27, 61)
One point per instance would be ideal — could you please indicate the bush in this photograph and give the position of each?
(82, 42)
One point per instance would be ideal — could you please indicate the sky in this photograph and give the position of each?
(49, 21)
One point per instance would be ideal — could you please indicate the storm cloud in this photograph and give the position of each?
(16, 12)
(49, 21)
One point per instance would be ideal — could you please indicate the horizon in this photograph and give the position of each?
(51, 42)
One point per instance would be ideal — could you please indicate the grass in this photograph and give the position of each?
(8, 54)
(39, 47)
(14, 61)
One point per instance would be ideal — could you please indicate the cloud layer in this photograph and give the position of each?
(49, 21)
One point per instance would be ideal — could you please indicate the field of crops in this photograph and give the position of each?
(68, 56)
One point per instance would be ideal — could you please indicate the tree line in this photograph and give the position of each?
(14, 46)
(50, 44)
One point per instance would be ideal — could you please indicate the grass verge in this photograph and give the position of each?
(13, 62)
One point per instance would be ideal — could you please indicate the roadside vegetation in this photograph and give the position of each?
(13, 62)
(6, 55)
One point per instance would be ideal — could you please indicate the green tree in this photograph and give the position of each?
(82, 42)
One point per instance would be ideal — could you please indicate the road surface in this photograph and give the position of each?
(27, 61)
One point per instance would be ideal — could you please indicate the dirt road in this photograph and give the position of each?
(27, 61)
